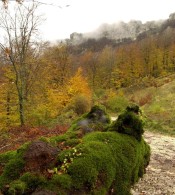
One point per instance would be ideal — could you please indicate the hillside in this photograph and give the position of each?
(157, 103)
(62, 81)
(120, 33)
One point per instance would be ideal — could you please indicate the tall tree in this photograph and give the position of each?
(58, 59)
(20, 31)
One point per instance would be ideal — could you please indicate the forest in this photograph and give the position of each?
(44, 84)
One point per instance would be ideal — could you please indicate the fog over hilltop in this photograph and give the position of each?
(121, 30)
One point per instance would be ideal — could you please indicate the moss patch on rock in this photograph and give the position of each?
(129, 122)
(102, 161)
(96, 120)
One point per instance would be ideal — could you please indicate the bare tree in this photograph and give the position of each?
(20, 31)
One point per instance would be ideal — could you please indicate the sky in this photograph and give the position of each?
(64, 17)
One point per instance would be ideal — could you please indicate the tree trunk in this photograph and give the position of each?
(21, 111)
(8, 109)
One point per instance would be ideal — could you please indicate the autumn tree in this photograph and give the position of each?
(58, 63)
(59, 99)
(20, 31)
(89, 60)
(107, 62)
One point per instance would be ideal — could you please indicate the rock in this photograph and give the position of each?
(96, 120)
(129, 122)
(39, 155)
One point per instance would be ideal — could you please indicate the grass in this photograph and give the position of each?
(157, 103)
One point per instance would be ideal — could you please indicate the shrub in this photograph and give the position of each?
(81, 104)
(116, 103)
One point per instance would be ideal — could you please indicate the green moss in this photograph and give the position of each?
(44, 139)
(22, 149)
(32, 181)
(63, 181)
(101, 191)
(108, 157)
(95, 120)
(67, 136)
(129, 123)
(17, 187)
(98, 163)
(72, 142)
(6, 157)
(13, 169)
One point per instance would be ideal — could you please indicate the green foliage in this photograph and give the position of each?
(81, 104)
(117, 103)
(65, 117)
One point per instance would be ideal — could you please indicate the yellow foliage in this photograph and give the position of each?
(78, 85)
(57, 99)
(8, 106)
(64, 96)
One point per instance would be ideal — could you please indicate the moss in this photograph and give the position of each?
(63, 181)
(96, 120)
(22, 149)
(17, 187)
(99, 163)
(13, 169)
(44, 139)
(6, 157)
(101, 191)
(72, 142)
(67, 136)
(117, 156)
(129, 123)
(32, 181)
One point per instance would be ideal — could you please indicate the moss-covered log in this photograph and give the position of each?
(107, 162)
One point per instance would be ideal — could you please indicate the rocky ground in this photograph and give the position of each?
(160, 176)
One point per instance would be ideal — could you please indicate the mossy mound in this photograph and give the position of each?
(97, 163)
(129, 122)
(96, 120)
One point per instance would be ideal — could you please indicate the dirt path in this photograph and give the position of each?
(160, 176)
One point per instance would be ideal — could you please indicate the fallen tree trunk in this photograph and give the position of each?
(85, 160)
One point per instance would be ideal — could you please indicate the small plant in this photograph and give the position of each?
(69, 159)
